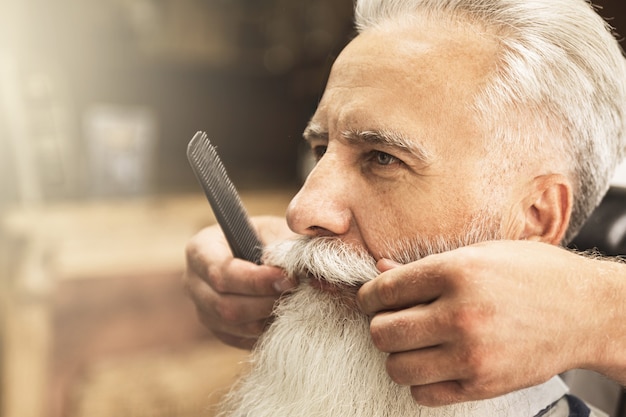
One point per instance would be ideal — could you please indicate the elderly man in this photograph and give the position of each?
(444, 123)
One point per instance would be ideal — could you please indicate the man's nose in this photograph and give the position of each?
(321, 206)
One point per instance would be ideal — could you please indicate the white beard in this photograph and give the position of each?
(317, 358)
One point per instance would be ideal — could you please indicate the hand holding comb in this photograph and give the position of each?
(224, 199)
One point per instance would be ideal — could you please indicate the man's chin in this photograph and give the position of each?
(317, 359)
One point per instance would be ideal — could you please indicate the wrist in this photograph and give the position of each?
(607, 317)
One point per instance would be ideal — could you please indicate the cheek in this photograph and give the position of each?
(512, 224)
(382, 223)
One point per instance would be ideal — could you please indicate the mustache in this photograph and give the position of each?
(340, 263)
(324, 258)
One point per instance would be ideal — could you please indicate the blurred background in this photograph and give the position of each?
(98, 100)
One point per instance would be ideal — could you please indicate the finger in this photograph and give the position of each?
(249, 330)
(409, 329)
(209, 258)
(440, 394)
(439, 375)
(233, 311)
(237, 276)
(455, 391)
(424, 366)
(246, 278)
(403, 286)
(236, 341)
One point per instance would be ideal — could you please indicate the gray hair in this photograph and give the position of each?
(559, 87)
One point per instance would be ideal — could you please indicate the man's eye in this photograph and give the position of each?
(382, 158)
(319, 151)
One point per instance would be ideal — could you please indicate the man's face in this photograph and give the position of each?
(403, 169)
(399, 151)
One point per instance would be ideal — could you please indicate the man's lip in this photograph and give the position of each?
(325, 286)
(322, 285)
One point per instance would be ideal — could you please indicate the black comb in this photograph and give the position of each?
(224, 199)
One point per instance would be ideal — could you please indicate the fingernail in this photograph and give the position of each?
(385, 264)
(283, 285)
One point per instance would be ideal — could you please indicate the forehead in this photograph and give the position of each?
(417, 79)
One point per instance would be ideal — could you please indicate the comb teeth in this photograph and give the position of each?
(223, 198)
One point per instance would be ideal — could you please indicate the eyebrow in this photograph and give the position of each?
(383, 137)
(314, 131)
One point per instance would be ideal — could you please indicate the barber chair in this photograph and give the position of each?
(605, 231)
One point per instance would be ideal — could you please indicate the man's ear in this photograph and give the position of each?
(547, 209)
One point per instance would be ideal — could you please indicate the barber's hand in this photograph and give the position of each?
(488, 319)
(234, 298)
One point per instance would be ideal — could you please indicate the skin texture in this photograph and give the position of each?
(399, 155)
